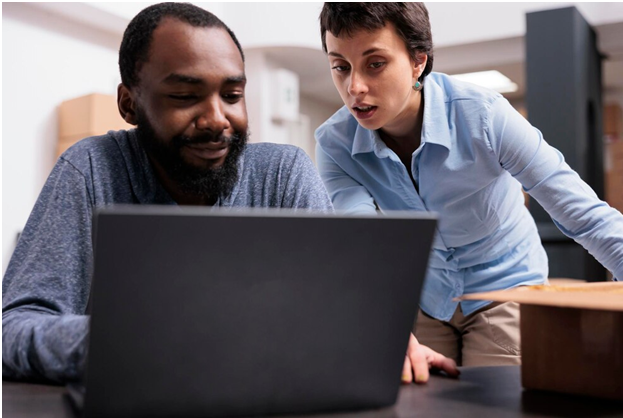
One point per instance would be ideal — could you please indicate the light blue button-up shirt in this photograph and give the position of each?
(476, 152)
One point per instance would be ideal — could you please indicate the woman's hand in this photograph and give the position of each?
(420, 358)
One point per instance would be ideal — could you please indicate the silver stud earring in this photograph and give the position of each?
(417, 86)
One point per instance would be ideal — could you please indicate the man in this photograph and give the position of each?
(183, 86)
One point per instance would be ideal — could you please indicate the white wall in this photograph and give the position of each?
(257, 99)
(463, 23)
(318, 112)
(266, 24)
(263, 24)
(260, 67)
(56, 51)
(47, 59)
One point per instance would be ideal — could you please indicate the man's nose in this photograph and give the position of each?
(357, 85)
(212, 117)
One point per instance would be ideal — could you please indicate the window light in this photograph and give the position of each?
(494, 80)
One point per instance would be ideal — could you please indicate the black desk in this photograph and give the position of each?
(481, 392)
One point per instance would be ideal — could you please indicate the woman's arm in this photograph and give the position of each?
(544, 174)
(346, 194)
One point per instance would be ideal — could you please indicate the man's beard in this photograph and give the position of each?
(207, 182)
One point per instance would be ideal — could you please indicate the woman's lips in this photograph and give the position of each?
(364, 112)
(209, 150)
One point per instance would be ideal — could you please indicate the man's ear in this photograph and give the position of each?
(127, 104)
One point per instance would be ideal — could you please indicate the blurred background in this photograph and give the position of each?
(60, 77)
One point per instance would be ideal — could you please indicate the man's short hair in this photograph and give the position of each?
(410, 19)
(134, 50)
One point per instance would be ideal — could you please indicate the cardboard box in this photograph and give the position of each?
(613, 120)
(93, 114)
(614, 175)
(613, 134)
(571, 336)
(615, 149)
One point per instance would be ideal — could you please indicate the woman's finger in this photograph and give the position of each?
(407, 375)
(441, 362)
(419, 363)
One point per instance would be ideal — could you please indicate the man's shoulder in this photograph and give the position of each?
(267, 154)
(97, 151)
(279, 175)
(274, 162)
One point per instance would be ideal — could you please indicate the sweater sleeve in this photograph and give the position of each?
(46, 285)
(541, 169)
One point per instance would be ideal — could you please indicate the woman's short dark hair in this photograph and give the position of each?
(410, 19)
(134, 49)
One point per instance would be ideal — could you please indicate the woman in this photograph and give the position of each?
(409, 139)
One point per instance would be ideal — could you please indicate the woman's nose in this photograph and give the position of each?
(357, 85)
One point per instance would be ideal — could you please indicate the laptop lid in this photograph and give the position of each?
(203, 312)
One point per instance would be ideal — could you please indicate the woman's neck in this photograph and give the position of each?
(404, 133)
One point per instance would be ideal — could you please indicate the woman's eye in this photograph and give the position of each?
(377, 64)
(340, 68)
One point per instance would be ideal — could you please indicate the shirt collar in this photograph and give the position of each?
(434, 131)
(363, 141)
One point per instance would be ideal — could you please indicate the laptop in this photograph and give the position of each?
(205, 312)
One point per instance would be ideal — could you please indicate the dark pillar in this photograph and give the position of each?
(563, 97)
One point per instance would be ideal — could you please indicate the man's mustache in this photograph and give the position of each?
(183, 140)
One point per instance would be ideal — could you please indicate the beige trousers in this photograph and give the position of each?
(487, 337)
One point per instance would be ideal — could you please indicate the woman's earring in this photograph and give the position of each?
(417, 86)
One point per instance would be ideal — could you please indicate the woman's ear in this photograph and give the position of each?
(126, 104)
(421, 58)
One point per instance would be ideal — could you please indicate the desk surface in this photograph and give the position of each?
(480, 392)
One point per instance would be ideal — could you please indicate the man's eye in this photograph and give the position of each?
(233, 97)
(377, 64)
(340, 68)
(183, 97)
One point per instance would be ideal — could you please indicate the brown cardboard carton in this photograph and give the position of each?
(571, 336)
(614, 176)
(93, 114)
(613, 132)
(613, 120)
(616, 150)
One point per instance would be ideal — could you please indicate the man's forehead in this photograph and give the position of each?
(180, 48)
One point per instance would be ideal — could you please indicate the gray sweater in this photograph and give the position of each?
(46, 286)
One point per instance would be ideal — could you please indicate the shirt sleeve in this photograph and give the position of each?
(46, 285)
(304, 188)
(541, 169)
(347, 195)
